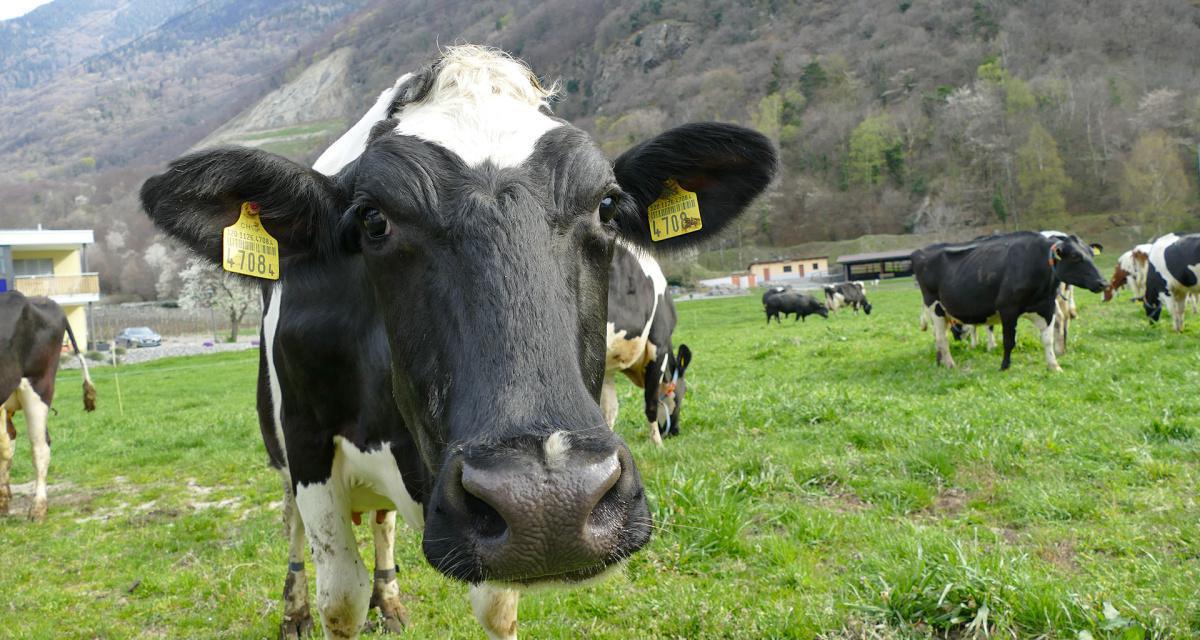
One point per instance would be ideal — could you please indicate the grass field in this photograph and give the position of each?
(829, 482)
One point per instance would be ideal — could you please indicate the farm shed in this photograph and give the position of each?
(881, 265)
(788, 268)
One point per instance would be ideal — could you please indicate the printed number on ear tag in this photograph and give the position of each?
(675, 213)
(247, 248)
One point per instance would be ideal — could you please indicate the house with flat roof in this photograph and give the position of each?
(878, 265)
(51, 263)
(788, 268)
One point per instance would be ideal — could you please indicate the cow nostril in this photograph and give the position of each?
(607, 512)
(484, 519)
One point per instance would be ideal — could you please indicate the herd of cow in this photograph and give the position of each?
(483, 414)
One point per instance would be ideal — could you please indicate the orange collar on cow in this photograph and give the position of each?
(1055, 254)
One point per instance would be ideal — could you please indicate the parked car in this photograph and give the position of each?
(138, 337)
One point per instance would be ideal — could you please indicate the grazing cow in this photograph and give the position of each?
(773, 291)
(1174, 266)
(1002, 276)
(641, 319)
(31, 338)
(1132, 268)
(463, 235)
(847, 293)
(793, 302)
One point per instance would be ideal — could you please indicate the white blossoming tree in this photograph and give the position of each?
(208, 287)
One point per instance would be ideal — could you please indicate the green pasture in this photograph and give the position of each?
(829, 482)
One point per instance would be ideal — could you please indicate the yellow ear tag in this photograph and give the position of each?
(247, 248)
(675, 213)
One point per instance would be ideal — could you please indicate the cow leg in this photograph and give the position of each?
(940, 341)
(1194, 300)
(973, 330)
(608, 398)
(386, 593)
(1178, 308)
(6, 454)
(496, 610)
(343, 586)
(297, 619)
(1048, 333)
(1063, 324)
(36, 412)
(991, 343)
(653, 374)
(1008, 327)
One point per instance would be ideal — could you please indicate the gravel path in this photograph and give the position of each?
(172, 346)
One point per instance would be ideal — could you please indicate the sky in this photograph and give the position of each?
(15, 8)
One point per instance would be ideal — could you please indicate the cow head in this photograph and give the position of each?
(673, 387)
(866, 307)
(486, 227)
(1156, 293)
(1072, 263)
(1119, 278)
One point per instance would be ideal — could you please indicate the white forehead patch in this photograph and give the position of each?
(483, 105)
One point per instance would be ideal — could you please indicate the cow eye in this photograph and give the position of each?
(608, 207)
(375, 224)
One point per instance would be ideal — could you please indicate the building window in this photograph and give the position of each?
(34, 267)
(816, 267)
(865, 268)
(787, 268)
(897, 266)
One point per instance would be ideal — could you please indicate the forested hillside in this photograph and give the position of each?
(892, 117)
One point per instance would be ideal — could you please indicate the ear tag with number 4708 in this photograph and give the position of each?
(247, 248)
(675, 213)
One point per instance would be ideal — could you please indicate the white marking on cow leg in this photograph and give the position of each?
(343, 586)
(557, 446)
(608, 399)
(924, 318)
(991, 343)
(386, 590)
(297, 619)
(496, 610)
(1178, 309)
(6, 454)
(1194, 301)
(655, 436)
(35, 423)
(1047, 331)
(940, 343)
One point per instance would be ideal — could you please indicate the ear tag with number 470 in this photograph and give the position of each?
(247, 248)
(675, 213)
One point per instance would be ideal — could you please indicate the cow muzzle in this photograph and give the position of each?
(547, 511)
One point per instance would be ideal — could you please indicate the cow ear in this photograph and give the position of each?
(725, 165)
(683, 359)
(202, 193)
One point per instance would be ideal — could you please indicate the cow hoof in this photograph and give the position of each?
(37, 512)
(1056, 369)
(296, 625)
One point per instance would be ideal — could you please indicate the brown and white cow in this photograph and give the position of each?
(31, 338)
(449, 257)
(1132, 269)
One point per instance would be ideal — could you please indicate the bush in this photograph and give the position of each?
(94, 355)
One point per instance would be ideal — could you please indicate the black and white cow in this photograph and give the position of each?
(31, 338)
(772, 291)
(851, 294)
(463, 235)
(641, 320)
(792, 302)
(1172, 276)
(1003, 276)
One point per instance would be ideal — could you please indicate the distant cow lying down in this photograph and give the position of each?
(31, 332)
